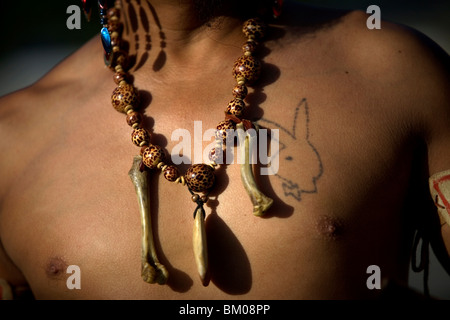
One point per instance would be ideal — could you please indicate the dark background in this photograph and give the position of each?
(35, 38)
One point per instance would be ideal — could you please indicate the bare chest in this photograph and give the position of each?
(75, 204)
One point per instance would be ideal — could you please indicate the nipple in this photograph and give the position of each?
(329, 227)
(55, 267)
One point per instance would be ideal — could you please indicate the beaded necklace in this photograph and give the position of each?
(199, 178)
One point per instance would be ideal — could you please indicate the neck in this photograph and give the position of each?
(188, 15)
(181, 29)
(176, 18)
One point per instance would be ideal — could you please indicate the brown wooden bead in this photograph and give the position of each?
(121, 58)
(152, 155)
(115, 43)
(140, 135)
(171, 173)
(114, 25)
(254, 28)
(123, 96)
(113, 12)
(223, 130)
(134, 118)
(236, 107)
(118, 57)
(200, 177)
(115, 39)
(247, 67)
(240, 91)
(119, 76)
(249, 46)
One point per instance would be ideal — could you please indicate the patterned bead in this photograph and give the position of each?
(134, 118)
(240, 91)
(254, 28)
(247, 67)
(216, 155)
(171, 173)
(123, 96)
(235, 107)
(200, 177)
(222, 128)
(152, 155)
(140, 135)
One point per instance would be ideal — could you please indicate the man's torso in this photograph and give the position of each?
(342, 193)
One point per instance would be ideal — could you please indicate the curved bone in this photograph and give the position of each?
(261, 203)
(152, 271)
(200, 246)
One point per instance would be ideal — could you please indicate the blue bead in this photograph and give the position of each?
(106, 40)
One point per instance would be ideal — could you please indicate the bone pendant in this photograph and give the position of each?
(261, 203)
(151, 270)
(200, 246)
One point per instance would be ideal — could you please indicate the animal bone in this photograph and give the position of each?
(261, 203)
(200, 246)
(152, 271)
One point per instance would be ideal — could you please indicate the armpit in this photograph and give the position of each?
(440, 191)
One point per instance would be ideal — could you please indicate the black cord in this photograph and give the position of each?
(200, 203)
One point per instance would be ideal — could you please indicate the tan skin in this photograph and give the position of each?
(374, 106)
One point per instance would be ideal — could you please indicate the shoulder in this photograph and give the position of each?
(32, 121)
(394, 47)
(414, 71)
(345, 35)
(28, 117)
(397, 69)
(394, 61)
